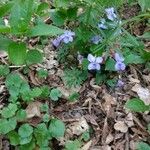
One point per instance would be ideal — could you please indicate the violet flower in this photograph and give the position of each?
(119, 66)
(94, 62)
(120, 83)
(110, 12)
(96, 39)
(67, 37)
(102, 24)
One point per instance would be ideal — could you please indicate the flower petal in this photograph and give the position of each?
(119, 66)
(91, 66)
(118, 58)
(99, 60)
(91, 58)
(98, 67)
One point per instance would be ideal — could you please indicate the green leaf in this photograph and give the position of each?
(44, 108)
(110, 64)
(34, 57)
(17, 53)
(143, 146)
(73, 145)
(57, 128)
(25, 140)
(146, 35)
(136, 105)
(45, 30)
(144, 4)
(7, 125)
(133, 59)
(14, 138)
(45, 91)
(46, 118)
(20, 16)
(29, 146)
(25, 130)
(21, 115)
(86, 136)
(4, 70)
(55, 94)
(42, 7)
(4, 29)
(9, 111)
(42, 73)
(4, 9)
(73, 97)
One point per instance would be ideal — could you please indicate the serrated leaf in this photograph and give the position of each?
(144, 4)
(45, 30)
(4, 70)
(7, 125)
(133, 59)
(34, 57)
(143, 146)
(25, 130)
(57, 128)
(9, 111)
(29, 146)
(110, 65)
(14, 138)
(136, 105)
(25, 140)
(21, 115)
(17, 53)
(73, 145)
(55, 94)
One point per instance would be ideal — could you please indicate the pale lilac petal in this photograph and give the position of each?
(102, 24)
(110, 12)
(119, 66)
(56, 42)
(120, 83)
(96, 39)
(92, 66)
(91, 58)
(98, 67)
(66, 40)
(80, 58)
(118, 58)
(99, 60)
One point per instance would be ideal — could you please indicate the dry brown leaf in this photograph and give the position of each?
(87, 145)
(33, 110)
(143, 93)
(77, 128)
(121, 126)
(93, 85)
(106, 147)
(129, 120)
(109, 138)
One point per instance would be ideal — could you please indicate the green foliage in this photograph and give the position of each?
(14, 138)
(55, 94)
(44, 108)
(7, 125)
(144, 4)
(4, 70)
(34, 57)
(45, 91)
(74, 77)
(9, 111)
(56, 128)
(143, 146)
(73, 97)
(73, 145)
(86, 136)
(137, 105)
(42, 73)
(17, 53)
(21, 115)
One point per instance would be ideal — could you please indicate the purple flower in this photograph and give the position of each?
(96, 39)
(120, 66)
(102, 24)
(67, 37)
(94, 62)
(118, 58)
(110, 12)
(56, 42)
(120, 83)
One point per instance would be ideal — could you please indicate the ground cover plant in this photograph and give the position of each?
(75, 75)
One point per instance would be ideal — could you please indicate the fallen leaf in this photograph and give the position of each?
(87, 145)
(33, 110)
(129, 120)
(109, 138)
(143, 93)
(121, 126)
(77, 128)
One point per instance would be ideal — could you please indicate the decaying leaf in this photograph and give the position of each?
(121, 126)
(77, 128)
(109, 138)
(33, 110)
(87, 145)
(143, 93)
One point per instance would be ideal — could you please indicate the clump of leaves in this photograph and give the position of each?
(55, 94)
(4, 70)
(74, 77)
(42, 73)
